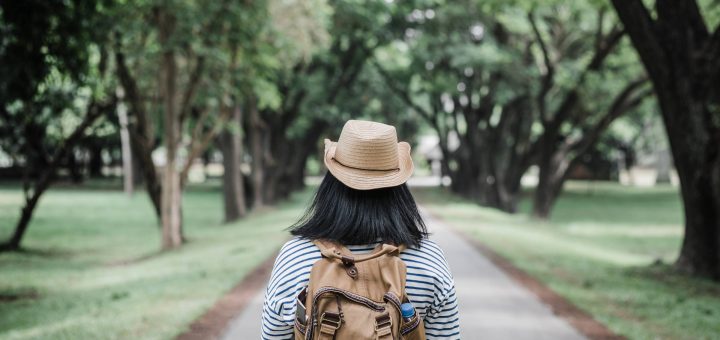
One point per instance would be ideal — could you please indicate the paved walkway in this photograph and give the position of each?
(492, 306)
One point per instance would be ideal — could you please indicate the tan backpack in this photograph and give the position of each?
(356, 297)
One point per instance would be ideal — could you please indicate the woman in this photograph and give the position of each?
(362, 201)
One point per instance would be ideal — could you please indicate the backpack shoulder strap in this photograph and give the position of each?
(333, 250)
(329, 248)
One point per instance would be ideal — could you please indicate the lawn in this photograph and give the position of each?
(93, 269)
(608, 249)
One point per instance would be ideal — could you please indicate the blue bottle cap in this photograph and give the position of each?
(407, 310)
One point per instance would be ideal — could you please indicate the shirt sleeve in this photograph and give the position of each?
(275, 320)
(443, 318)
(444, 322)
(273, 327)
(290, 274)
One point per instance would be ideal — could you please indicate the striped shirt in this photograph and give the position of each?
(429, 286)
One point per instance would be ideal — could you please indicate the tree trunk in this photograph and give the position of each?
(697, 160)
(700, 248)
(553, 166)
(257, 151)
(26, 213)
(95, 163)
(137, 170)
(143, 153)
(47, 175)
(141, 133)
(510, 155)
(127, 156)
(171, 190)
(273, 171)
(171, 206)
(276, 155)
(683, 61)
(496, 194)
(510, 193)
(74, 168)
(233, 186)
(295, 161)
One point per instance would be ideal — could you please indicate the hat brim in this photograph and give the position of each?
(362, 179)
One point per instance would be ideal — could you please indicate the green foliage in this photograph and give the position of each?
(711, 12)
(300, 28)
(92, 270)
(53, 65)
(39, 37)
(330, 82)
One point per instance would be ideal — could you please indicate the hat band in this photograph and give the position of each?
(356, 168)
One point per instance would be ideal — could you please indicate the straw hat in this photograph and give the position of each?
(368, 156)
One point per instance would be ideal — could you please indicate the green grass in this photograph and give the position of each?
(93, 270)
(608, 249)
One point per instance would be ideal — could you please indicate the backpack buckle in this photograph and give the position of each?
(383, 326)
(330, 322)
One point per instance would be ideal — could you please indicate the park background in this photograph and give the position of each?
(152, 153)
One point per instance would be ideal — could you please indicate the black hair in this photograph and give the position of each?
(352, 217)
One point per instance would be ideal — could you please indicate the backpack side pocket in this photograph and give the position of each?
(300, 315)
(414, 329)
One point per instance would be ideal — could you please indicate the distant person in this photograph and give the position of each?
(360, 265)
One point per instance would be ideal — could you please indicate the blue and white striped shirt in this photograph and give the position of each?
(429, 286)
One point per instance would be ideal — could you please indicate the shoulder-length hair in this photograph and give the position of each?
(353, 217)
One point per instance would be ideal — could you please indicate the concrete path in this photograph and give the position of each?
(492, 306)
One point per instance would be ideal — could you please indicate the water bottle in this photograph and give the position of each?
(408, 311)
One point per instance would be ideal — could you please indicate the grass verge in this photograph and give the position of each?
(92, 269)
(608, 249)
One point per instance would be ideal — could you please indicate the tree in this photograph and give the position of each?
(140, 127)
(504, 90)
(193, 49)
(282, 138)
(233, 183)
(466, 78)
(682, 58)
(572, 125)
(45, 61)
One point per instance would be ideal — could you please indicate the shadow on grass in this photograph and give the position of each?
(37, 252)
(8, 295)
(673, 278)
(135, 260)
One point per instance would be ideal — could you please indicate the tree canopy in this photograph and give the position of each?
(507, 87)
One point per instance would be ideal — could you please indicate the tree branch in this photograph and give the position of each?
(402, 93)
(547, 80)
(132, 94)
(199, 144)
(628, 98)
(193, 84)
(642, 30)
(605, 48)
(599, 29)
(712, 47)
(196, 75)
(572, 97)
(349, 70)
(711, 61)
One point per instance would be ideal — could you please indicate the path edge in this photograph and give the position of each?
(214, 322)
(578, 318)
